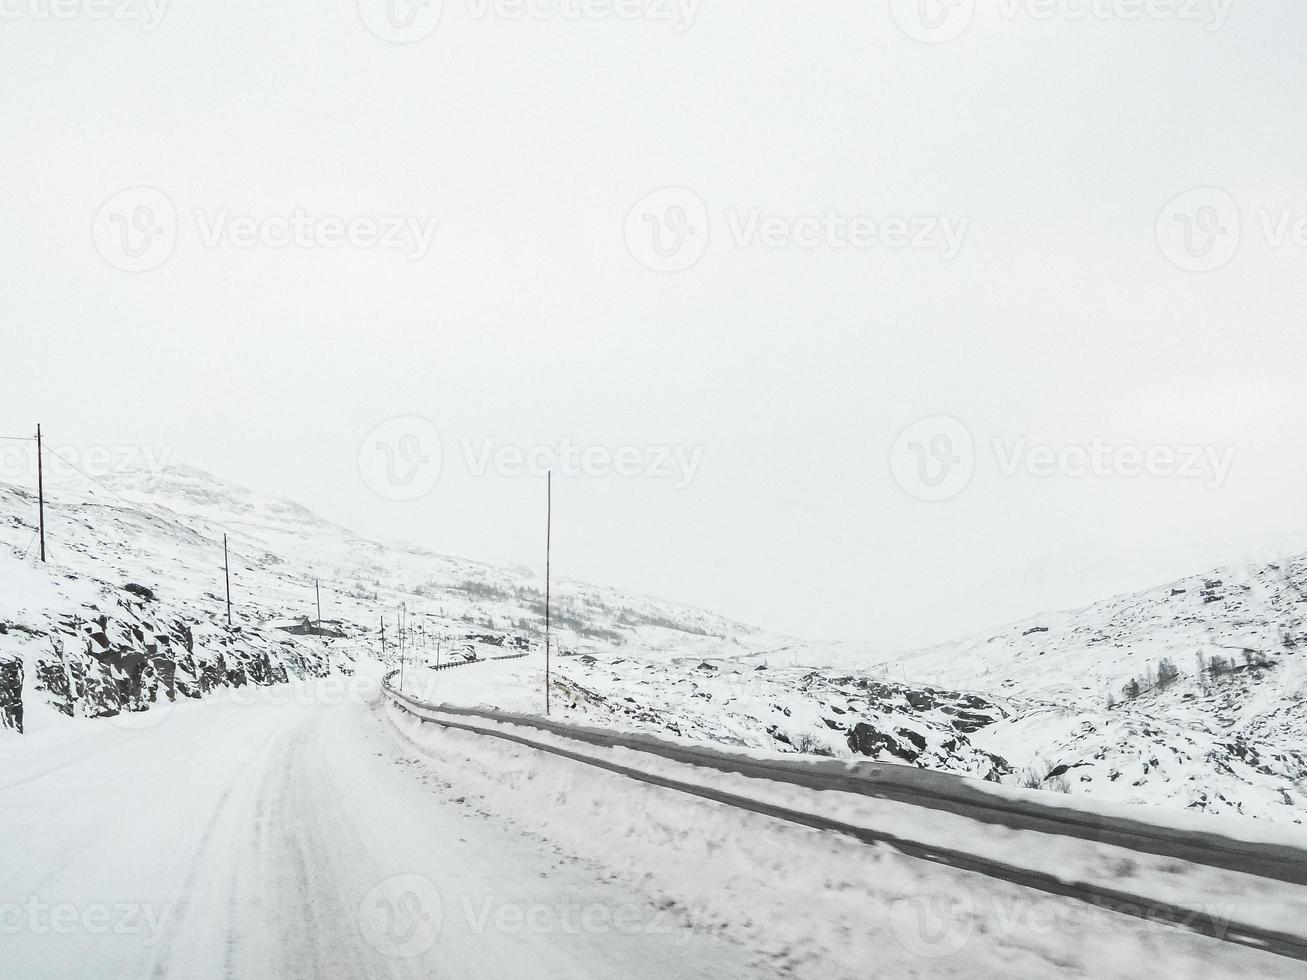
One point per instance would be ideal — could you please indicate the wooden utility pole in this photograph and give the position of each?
(40, 488)
(383, 637)
(317, 589)
(226, 571)
(549, 522)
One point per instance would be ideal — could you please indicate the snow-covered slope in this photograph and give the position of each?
(1190, 693)
(1081, 701)
(131, 608)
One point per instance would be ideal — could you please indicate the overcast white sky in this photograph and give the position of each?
(1055, 144)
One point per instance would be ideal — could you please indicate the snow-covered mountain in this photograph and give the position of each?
(131, 608)
(1190, 693)
(1185, 695)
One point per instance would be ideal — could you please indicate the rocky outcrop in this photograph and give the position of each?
(11, 695)
(953, 753)
(306, 627)
(140, 656)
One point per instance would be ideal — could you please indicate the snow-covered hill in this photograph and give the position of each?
(1190, 693)
(1186, 695)
(131, 608)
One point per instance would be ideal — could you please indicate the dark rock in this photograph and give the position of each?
(140, 590)
(915, 738)
(306, 627)
(11, 695)
(128, 663)
(864, 739)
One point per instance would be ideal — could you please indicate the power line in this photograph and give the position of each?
(139, 504)
(346, 587)
(62, 459)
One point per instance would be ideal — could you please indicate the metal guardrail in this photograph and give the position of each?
(449, 665)
(934, 790)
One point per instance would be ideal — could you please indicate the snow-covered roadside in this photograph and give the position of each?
(516, 687)
(819, 903)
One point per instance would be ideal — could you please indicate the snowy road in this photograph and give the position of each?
(293, 840)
